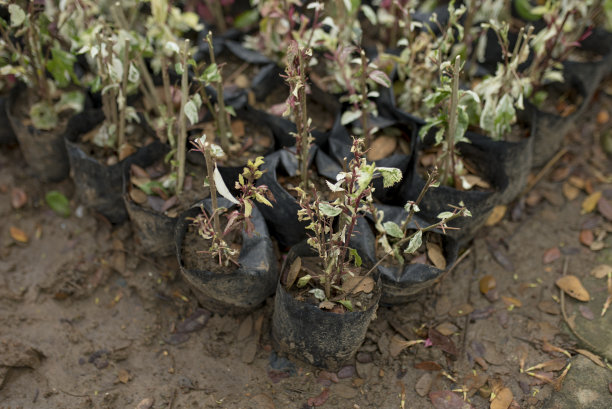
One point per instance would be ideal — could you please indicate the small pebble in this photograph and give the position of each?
(346, 372)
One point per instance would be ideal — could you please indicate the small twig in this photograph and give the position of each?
(172, 398)
(543, 171)
(567, 322)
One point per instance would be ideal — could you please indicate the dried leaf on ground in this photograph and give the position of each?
(123, 376)
(586, 312)
(397, 344)
(496, 215)
(443, 342)
(502, 259)
(448, 400)
(146, 403)
(553, 365)
(595, 358)
(18, 197)
(572, 286)
(18, 235)
(503, 399)
(360, 284)
(589, 204)
(605, 208)
(434, 252)
(138, 196)
(551, 255)
(569, 191)
(428, 366)
(601, 271)
(462, 310)
(447, 328)
(487, 283)
(586, 237)
(602, 117)
(549, 307)
(423, 385)
(320, 399)
(511, 301)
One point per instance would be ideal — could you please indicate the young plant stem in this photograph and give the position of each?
(167, 93)
(37, 60)
(364, 100)
(182, 139)
(430, 181)
(210, 168)
(124, 81)
(394, 25)
(217, 11)
(449, 165)
(148, 88)
(303, 124)
(111, 100)
(223, 128)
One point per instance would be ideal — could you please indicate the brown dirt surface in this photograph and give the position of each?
(86, 323)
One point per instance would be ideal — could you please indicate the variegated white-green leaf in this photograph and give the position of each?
(334, 187)
(191, 112)
(329, 210)
(445, 215)
(393, 230)
(318, 293)
(133, 74)
(17, 15)
(390, 176)
(221, 188)
(411, 206)
(349, 116)
(304, 280)
(415, 242)
(216, 150)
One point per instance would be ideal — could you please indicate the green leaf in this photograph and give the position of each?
(390, 175)
(415, 242)
(178, 67)
(393, 230)
(347, 304)
(357, 257)
(211, 74)
(329, 210)
(381, 78)
(17, 15)
(246, 19)
(58, 203)
(369, 14)
(61, 67)
(43, 116)
(303, 280)
(191, 112)
(230, 109)
(73, 100)
(133, 74)
(318, 293)
(445, 215)
(349, 116)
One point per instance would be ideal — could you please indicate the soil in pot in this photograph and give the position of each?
(304, 329)
(237, 288)
(44, 151)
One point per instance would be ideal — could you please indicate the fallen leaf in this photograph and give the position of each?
(146, 403)
(511, 301)
(434, 252)
(18, 197)
(295, 268)
(601, 271)
(597, 245)
(382, 147)
(447, 328)
(502, 400)
(443, 342)
(586, 237)
(487, 283)
(397, 344)
(18, 234)
(586, 312)
(551, 255)
(423, 385)
(138, 196)
(605, 208)
(448, 400)
(501, 258)
(123, 376)
(194, 322)
(589, 204)
(553, 365)
(237, 128)
(549, 307)
(138, 171)
(364, 284)
(570, 191)
(320, 399)
(576, 181)
(326, 305)
(572, 286)
(602, 116)
(462, 310)
(496, 215)
(596, 359)
(428, 366)
(245, 329)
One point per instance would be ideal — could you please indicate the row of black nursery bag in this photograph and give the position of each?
(505, 165)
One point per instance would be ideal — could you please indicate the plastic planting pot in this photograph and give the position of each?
(99, 186)
(241, 288)
(44, 151)
(401, 283)
(7, 136)
(317, 337)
